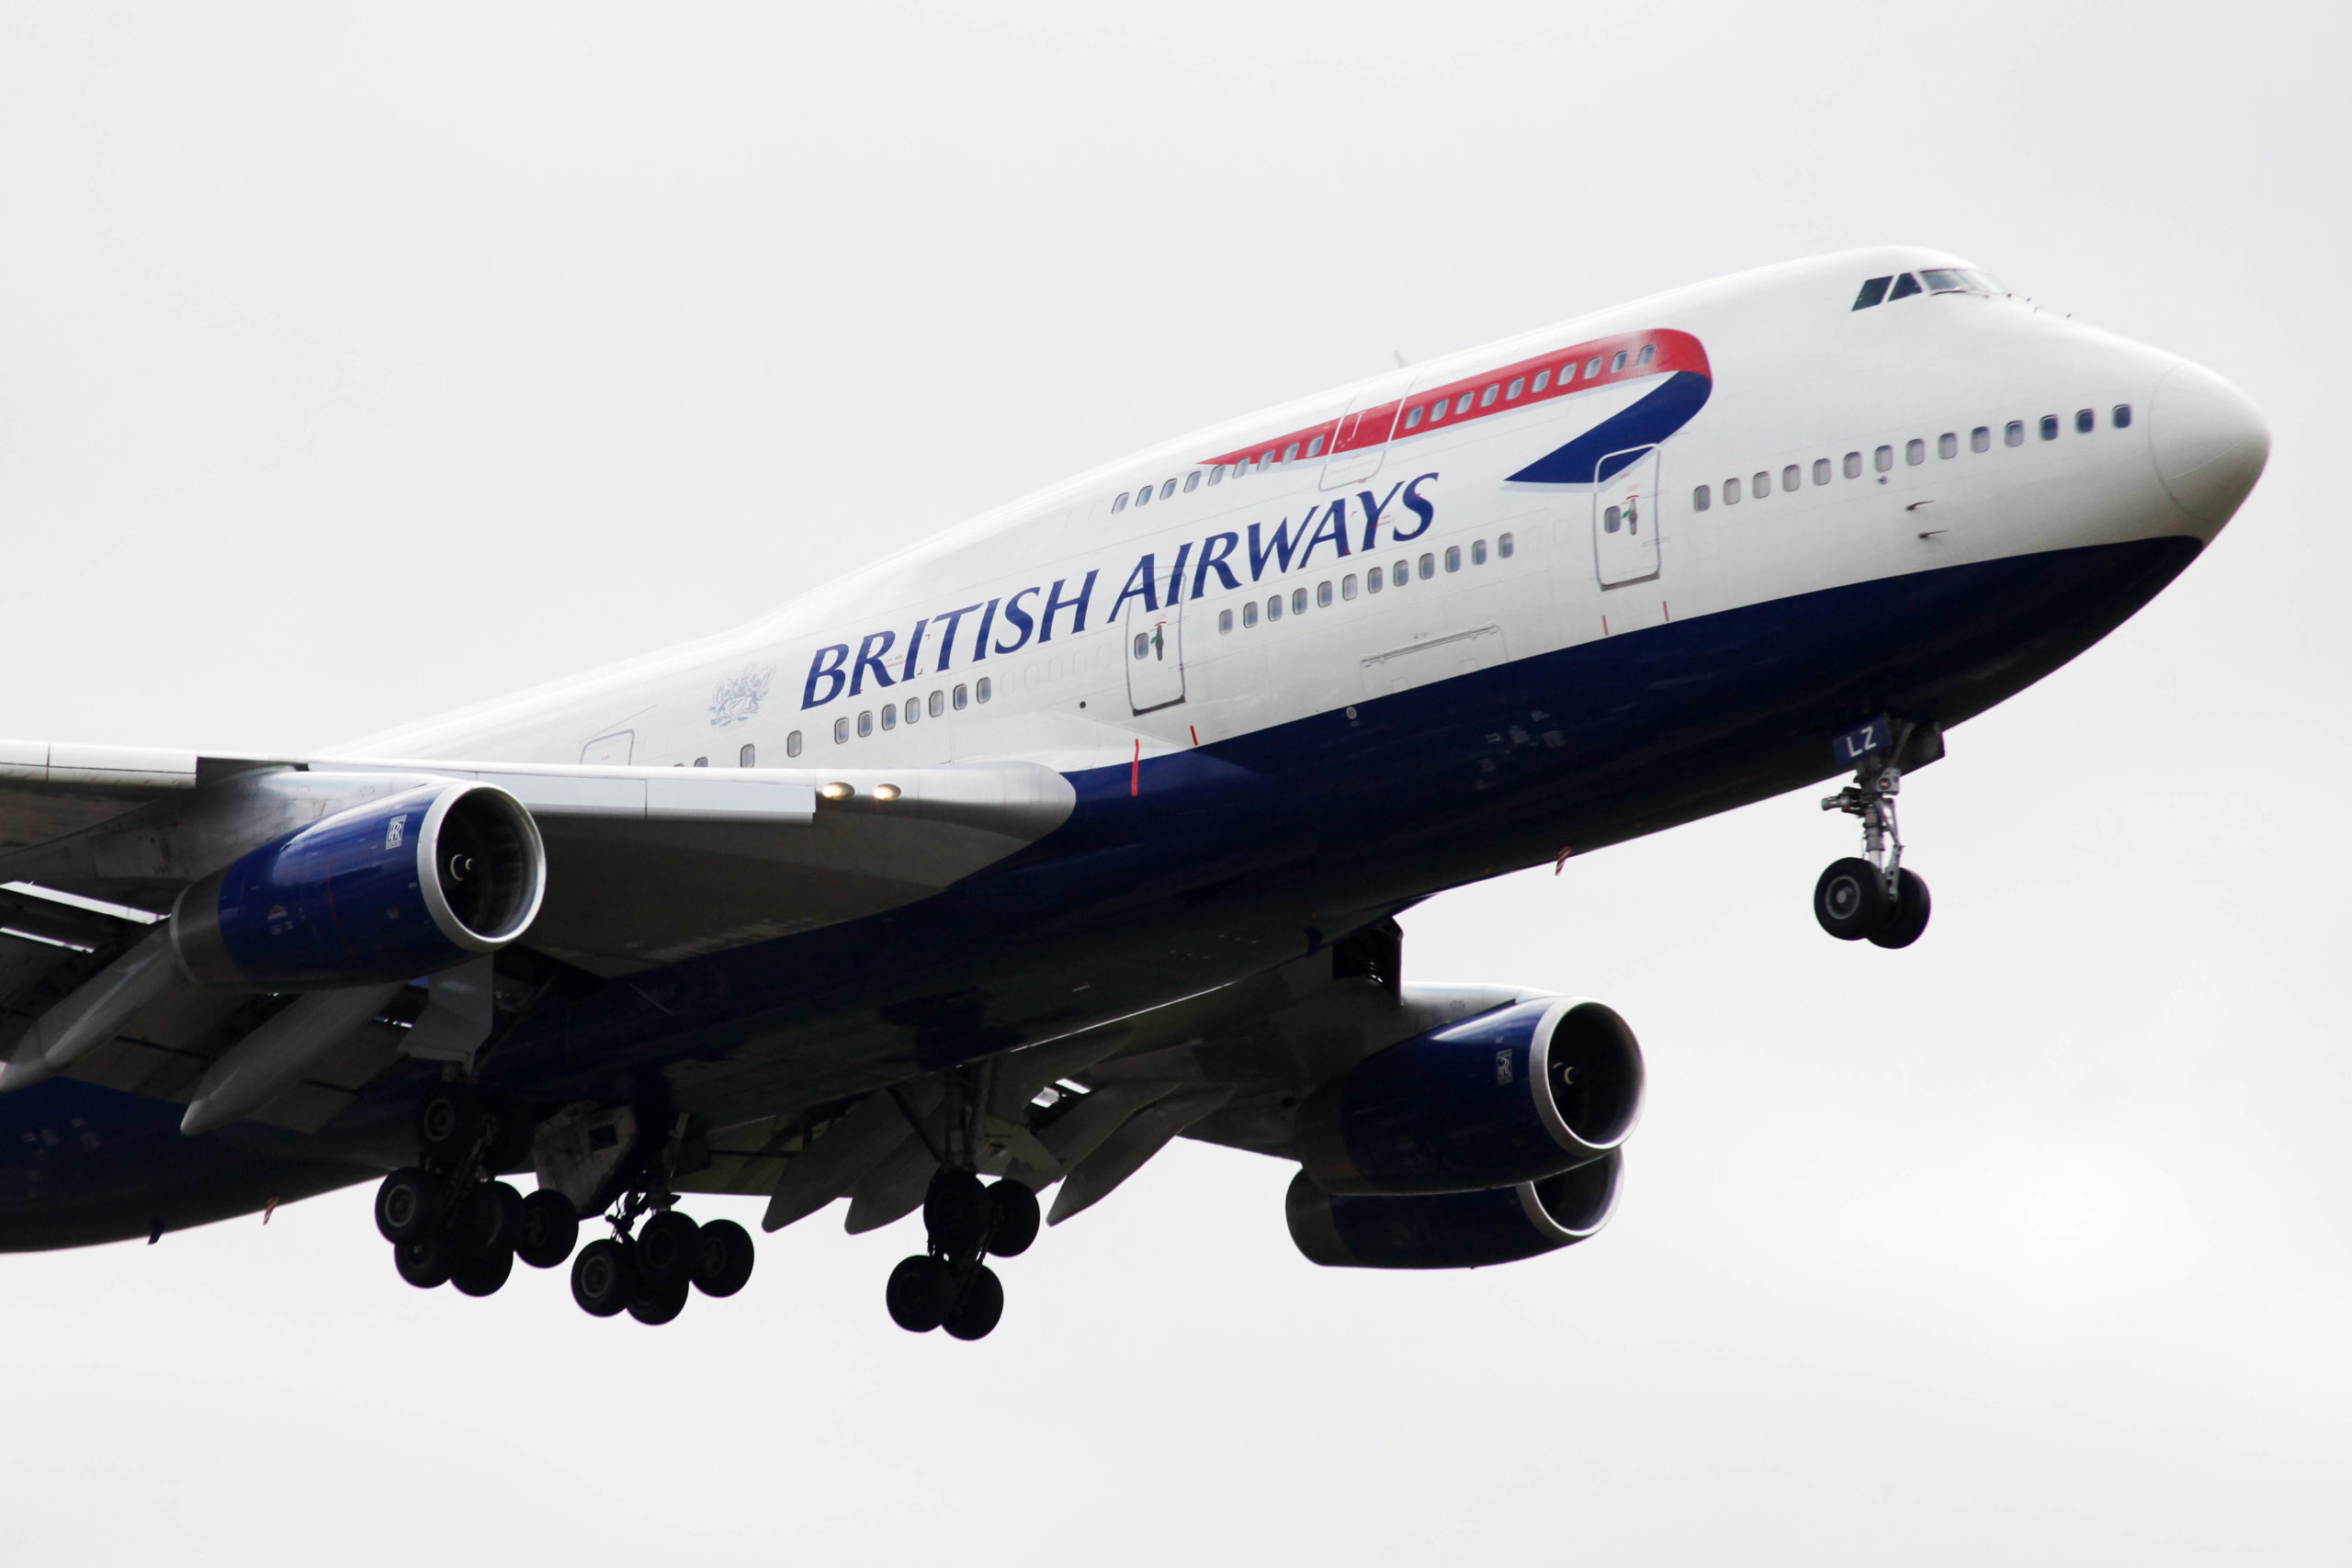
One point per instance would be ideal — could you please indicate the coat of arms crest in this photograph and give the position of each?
(738, 697)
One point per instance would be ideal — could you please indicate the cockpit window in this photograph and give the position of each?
(1873, 290)
(1904, 287)
(1956, 280)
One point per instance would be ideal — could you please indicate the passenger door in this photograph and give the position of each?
(1362, 439)
(1153, 641)
(1626, 517)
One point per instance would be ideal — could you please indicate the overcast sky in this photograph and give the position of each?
(355, 365)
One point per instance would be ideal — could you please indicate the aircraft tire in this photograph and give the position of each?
(978, 1307)
(548, 1231)
(408, 1205)
(956, 1213)
(1013, 1218)
(1850, 901)
(920, 1291)
(483, 1276)
(448, 1118)
(603, 1282)
(668, 1249)
(654, 1308)
(1908, 917)
(725, 1266)
(423, 1261)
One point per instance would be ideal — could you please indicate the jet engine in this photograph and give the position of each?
(1452, 1230)
(395, 888)
(1514, 1095)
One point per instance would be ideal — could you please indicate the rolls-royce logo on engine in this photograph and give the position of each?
(738, 697)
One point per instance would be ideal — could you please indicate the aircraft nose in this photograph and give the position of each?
(2209, 441)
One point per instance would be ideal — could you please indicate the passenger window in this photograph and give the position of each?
(1454, 557)
(2050, 427)
(2013, 434)
(889, 718)
(749, 757)
(1873, 290)
(1791, 477)
(1914, 451)
(958, 698)
(1429, 568)
(1543, 380)
(1266, 459)
(1217, 475)
(1191, 481)
(2122, 416)
(1567, 372)
(1618, 361)
(1323, 594)
(1731, 492)
(914, 709)
(1274, 608)
(2085, 422)
(1821, 470)
(1948, 444)
(1142, 496)
(1981, 439)
(865, 724)
(1702, 498)
(1503, 545)
(1648, 354)
(1224, 621)
(1462, 403)
(1348, 586)
(1290, 453)
(1437, 409)
(841, 730)
(1399, 573)
(938, 704)
(1477, 552)
(1374, 581)
(1882, 459)
(1904, 287)
(1143, 645)
(1168, 491)
(1315, 447)
(981, 688)
(1119, 504)
(1854, 465)
(1518, 385)
(1593, 367)
(792, 744)
(1760, 486)
(1413, 419)
(1298, 601)
(1249, 614)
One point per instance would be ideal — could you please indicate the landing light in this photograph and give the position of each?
(836, 792)
(886, 792)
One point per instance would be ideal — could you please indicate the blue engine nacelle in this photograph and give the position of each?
(1521, 1093)
(1452, 1230)
(389, 890)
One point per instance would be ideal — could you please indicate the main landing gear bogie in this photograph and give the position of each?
(1872, 896)
(949, 1286)
(653, 1273)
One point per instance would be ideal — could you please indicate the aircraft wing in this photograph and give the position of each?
(645, 866)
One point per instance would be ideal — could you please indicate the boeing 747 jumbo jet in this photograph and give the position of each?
(988, 870)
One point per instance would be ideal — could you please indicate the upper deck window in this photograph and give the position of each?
(1619, 362)
(1649, 353)
(1412, 419)
(1119, 504)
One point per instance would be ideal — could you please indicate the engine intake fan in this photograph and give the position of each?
(1516, 1095)
(386, 891)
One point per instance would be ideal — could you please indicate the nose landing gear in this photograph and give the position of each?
(1872, 896)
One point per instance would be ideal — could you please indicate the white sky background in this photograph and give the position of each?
(353, 368)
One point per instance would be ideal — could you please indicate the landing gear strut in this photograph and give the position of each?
(966, 1219)
(449, 1219)
(1872, 896)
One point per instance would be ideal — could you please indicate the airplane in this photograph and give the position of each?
(988, 870)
